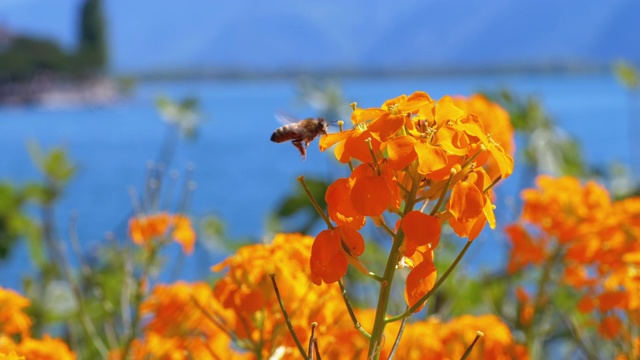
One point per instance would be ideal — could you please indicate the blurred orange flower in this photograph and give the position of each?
(46, 349)
(13, 320)
(11, 356)
(589, 237)
(144, 229)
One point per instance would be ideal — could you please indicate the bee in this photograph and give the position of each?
(300, 132)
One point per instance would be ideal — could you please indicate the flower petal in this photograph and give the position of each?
(401, 151)
(420, 280)
(328, 261)
(420, 229)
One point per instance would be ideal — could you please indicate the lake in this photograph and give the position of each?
(240, 174)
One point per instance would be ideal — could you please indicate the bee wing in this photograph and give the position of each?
(285, 118)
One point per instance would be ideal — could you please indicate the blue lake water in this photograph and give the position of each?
(240, 174)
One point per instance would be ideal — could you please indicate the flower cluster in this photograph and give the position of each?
(176, 327)
(14, 322)
(411, 151)
(596, 241)
(239, 316)
(144, 229)
(247, 290)
(450, 340)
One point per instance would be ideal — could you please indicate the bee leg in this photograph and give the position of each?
(302, 149)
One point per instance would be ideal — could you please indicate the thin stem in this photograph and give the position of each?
(404, 189)
(312, 340)
(87, 325)
(386, 228)
(352, 314)
(438, 283)
(479, 334)
(137, 300)
(375, 277)
(470, 160)
(315, 341)
(424, 204)
(542, 284)
(217, 323)
(373, 155)
(442, 196)
(314, 202)
(385, 286)
(286, 317)
(396, 343)
(494, 183)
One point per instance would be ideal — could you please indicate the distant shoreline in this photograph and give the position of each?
(243, 74)
(50, 91)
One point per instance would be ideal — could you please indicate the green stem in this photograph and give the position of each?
(543, 282)
(314, 202)
(442, 196)
(352, 314)
(287, 319)
(438, 283)
(138, 298)
(493, 183)
(312, 340)
(386, 228)
(385, 286)
(479, 334)
(383, 299)
(396, 343)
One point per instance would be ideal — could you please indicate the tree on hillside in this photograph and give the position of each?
(92, 52)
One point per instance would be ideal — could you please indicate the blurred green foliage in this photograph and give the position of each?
(184, 114)
(297, 205)
(26, 57)
(14, 223)
(627, 75)
(92, 54)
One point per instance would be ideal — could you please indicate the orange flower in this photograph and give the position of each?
(401, 151)
(450, 340)
(144, 229)
(339, 205)
(175, 312)
(351, 144)
(470, 206)
(246, 290)
(397, 114)
(329, 260)
(46, 349)
(610, 327)
(495, 122)
(525, 250)
(420, 230)
(13, 320)
(11, 356)
(373, 190)
(421, 278)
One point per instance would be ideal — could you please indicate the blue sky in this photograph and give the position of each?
(357, 34)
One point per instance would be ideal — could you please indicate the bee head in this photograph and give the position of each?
(322, 126)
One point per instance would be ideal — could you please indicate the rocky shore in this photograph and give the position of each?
(49, 92)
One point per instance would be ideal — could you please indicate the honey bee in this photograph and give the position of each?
(301, 133)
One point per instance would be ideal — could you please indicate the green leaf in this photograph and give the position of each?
(627, 74)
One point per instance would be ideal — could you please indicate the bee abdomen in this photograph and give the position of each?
(285, 133)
